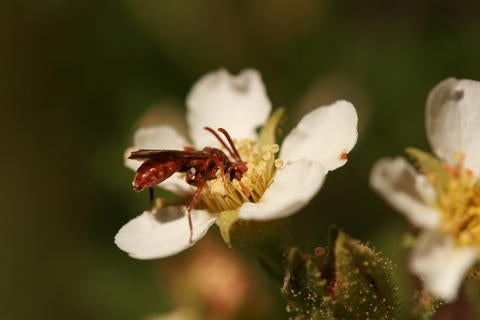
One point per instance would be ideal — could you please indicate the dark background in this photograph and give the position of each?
(76, 78)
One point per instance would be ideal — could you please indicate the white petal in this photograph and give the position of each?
(238, 104)
(325, 134)
(162, 234)
(441, 263)
(161, 138)
(453, 119)
(407, 191)
(293, 187)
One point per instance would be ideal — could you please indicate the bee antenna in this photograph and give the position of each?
(235, 153)
(221, 141)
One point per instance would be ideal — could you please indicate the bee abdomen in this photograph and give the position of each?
(153, 172)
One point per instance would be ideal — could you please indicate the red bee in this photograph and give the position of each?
(199, 166)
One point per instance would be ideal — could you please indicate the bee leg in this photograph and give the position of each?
(189, 208)
(151, 198)
(189, 215)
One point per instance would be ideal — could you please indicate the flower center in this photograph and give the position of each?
(460, 205)
(223, 194)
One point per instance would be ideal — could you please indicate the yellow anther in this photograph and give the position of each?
(460, 205)
(223, 194)
(279, 163)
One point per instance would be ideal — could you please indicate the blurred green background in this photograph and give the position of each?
(76, 77)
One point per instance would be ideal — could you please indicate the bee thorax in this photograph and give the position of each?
(244, 181)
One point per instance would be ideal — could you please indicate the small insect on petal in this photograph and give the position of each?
(344, 156)
(199, 166)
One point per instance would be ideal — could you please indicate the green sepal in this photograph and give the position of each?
(431, 167)
(424, 306)
(364, 288)
(304, 286)
(225, 222)
(347, 281)
(268, 132)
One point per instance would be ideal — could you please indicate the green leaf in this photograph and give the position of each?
(364, 287)
(347, 281)
(424, 306)
(269, 129)
(225, 221)
(431, 167)
(304, 287)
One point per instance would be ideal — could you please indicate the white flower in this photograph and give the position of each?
(270, 189)
(443, 200)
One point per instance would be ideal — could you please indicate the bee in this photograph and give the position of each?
(199, 167)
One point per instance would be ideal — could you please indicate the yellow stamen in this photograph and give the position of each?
(460, 205)
(223, 194)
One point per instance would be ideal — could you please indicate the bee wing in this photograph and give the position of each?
(146, 154)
